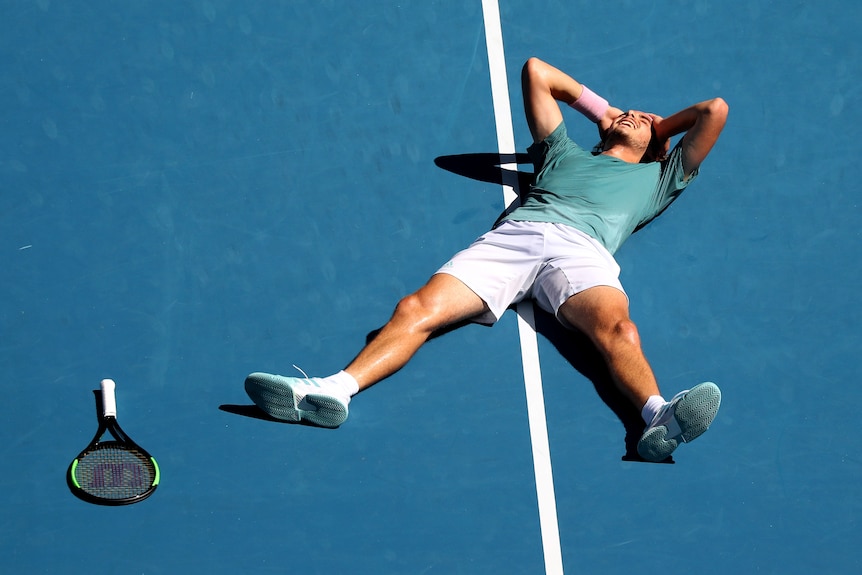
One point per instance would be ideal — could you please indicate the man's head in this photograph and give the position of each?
(634, 131)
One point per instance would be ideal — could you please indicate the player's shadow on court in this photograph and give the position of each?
(488, 167)
(579, 351)
(254, 412)
(574, 346)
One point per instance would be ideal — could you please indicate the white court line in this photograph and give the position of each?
(526, 322)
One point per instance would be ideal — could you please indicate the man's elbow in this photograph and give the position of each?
(533, 68)
(718, 108)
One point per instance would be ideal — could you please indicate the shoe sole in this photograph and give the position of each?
(693, 414)
(275, 395)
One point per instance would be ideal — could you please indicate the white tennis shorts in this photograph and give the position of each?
(544, 261)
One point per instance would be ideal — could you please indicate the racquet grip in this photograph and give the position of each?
(109, 400)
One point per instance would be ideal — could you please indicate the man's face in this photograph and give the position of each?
(633, 127)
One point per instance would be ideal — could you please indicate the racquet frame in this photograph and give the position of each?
(108, 424)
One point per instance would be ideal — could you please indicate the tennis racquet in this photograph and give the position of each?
(117, 472)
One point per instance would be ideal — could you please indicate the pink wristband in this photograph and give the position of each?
(591, 105)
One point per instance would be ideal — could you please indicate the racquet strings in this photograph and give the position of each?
(113, 471)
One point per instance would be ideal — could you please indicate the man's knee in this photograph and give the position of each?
(418, 309)
(616, 332)
(410, 306)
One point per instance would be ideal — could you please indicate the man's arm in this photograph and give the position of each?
(543, 86)
(702, 124)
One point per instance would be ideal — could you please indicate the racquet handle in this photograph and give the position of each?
(109, 400)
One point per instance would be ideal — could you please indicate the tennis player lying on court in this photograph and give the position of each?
(556, 248)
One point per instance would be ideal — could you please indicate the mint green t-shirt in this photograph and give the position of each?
(602, 196)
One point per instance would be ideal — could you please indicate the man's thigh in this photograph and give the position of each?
(595, 309)
(451, 299)
(501, 266)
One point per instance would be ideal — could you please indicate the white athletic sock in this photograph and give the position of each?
(651, 407)
(344, 382)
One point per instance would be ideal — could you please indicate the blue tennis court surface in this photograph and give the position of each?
(193, 191)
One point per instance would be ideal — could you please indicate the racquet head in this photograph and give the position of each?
(114, 472)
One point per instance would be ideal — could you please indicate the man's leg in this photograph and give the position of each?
(602, 313)
(443, 301)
